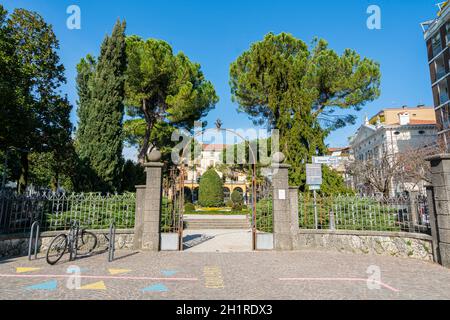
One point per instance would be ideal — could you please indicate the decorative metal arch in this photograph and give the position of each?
(182, 161)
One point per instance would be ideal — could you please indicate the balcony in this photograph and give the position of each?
(443, 92)
(437, 48)
(440, 73)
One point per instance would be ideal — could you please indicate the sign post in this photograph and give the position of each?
(314, 181)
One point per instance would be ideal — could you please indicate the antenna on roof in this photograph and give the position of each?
(441, 5)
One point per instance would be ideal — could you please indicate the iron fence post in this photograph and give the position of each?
(316, 216)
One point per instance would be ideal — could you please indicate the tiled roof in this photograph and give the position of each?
(213, 147)
(338, 149)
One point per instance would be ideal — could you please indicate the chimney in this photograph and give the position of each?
(403, 118)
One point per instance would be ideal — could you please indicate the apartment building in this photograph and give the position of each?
(436, 34)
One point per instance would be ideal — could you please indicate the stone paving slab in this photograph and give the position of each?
(221, 240)
(216, 276)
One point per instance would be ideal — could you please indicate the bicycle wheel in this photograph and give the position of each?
(57, 249)
(87, 242)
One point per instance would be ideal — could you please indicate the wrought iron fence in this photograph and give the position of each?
(348, 212)
(56, 211)
(264, 215)
(172, 206)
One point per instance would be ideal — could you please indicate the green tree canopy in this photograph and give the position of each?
(283, 83)
(38, 115)
(163, 87)
(211, 189)
(12, 91)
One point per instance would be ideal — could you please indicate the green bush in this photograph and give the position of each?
(237, 197)
(350, 212)
(211, 190)
(237, 207)
(229, 203)
(92, 211)
(189, 207)
(264, 215)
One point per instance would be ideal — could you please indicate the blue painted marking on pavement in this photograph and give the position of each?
(49, 286)
(73, 270)
(156, 288)
(169, 273)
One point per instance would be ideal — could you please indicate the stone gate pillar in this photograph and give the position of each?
(139, 217)
(293, 204)
(152, 207)
(281, 205)
(432, 212)
(440, 223)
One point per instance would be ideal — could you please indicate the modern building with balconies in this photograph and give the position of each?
(436, 33)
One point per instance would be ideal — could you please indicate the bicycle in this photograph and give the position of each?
(77, 242)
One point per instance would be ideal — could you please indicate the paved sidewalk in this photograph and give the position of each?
(217, 276)
(217, 240)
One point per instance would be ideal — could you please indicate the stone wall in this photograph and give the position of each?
(396, 244)
(17, 245)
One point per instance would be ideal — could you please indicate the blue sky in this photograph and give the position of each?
(215, 33)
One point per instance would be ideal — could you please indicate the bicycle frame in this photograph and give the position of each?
(73, 240)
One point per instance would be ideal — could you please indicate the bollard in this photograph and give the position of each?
(112, 242)
(34, 235)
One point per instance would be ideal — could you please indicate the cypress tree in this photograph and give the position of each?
(86, 70)
(101, 112)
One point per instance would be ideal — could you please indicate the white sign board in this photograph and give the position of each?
(326, 160)
(314, 174)
(282, 194)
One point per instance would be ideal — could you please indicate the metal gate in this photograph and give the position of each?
(261, 215)
(172, 207)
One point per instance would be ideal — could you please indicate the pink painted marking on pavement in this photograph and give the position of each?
(342, 279)
(93, 277)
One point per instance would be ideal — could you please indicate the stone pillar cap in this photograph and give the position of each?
(153, 164)
(442, 156)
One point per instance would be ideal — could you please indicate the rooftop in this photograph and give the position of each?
(417, 115)
(214, 147)
(431, 26)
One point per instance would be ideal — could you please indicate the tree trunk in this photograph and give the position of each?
(23, 179)
(387, 189)
(55, 182)
(149, 120)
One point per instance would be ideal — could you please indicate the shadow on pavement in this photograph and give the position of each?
(193, 240)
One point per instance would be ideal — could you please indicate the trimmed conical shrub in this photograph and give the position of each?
(211, 189)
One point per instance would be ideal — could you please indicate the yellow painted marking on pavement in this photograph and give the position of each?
(213, 278)
(94, 286)
(118, 271)
(24, 270)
